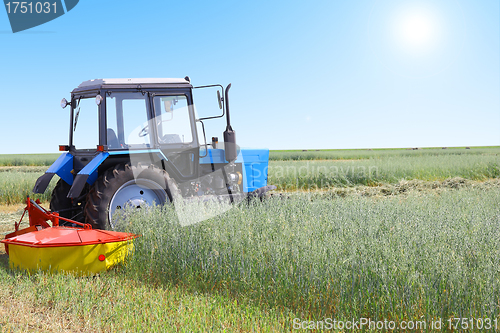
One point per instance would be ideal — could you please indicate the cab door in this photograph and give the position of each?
(175, 131)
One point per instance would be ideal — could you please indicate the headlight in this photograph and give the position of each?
(98, 99)
(64, 103)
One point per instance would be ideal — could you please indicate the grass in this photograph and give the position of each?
(401, 258)
(421, 255)
(17, 182)
(293, 175)
(294, 155)
(427, 247)
(112, 303)
(405, 257)
(118, 301)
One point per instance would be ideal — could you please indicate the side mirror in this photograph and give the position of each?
(219, 99)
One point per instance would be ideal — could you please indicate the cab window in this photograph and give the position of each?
(172, 120)
(127, 120)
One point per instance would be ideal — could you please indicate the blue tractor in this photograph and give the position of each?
(138, 142)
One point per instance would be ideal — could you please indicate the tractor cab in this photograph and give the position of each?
(121, 115)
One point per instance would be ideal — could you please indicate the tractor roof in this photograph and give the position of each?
(132, 83)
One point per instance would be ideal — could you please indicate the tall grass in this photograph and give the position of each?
(398, 258)
(17, 182)
(293, 175)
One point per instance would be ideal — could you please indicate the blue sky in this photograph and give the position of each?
(315, 75)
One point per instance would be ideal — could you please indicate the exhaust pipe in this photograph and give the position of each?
(229, 135)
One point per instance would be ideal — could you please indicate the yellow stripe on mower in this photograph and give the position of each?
(83, 259)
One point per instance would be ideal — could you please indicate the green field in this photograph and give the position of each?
(112, 302)
(27, 159)
(397, 235)
(309, 256)
(401, 257)
(375, 168)
(310, 175)
(295, 155)
(17, 182)
(356, 154)
(297, 170)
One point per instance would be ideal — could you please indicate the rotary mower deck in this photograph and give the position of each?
(80, 250)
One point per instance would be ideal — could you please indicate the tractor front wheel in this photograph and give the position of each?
(126, 186)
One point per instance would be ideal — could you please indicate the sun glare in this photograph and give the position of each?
(416, 38)
(415, 30)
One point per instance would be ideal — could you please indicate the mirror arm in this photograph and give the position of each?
(223, 101)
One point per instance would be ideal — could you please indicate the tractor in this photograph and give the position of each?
(139, 142)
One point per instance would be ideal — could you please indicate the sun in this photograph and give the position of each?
(416, 38)
(415, 30)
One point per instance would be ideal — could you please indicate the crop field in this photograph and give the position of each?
(390, 169)
(384, 167)
(27, 159)
(385, 234)
(401, 257)
(17, 182)
(357, 154)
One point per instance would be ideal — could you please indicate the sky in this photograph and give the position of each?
(304, 75)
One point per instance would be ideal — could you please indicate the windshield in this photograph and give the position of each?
(85, 124)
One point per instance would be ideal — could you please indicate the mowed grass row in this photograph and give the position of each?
(111, 302)
(398, 258)
(356, 154)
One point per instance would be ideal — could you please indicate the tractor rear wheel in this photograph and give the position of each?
(65, 206)
(126, 186)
